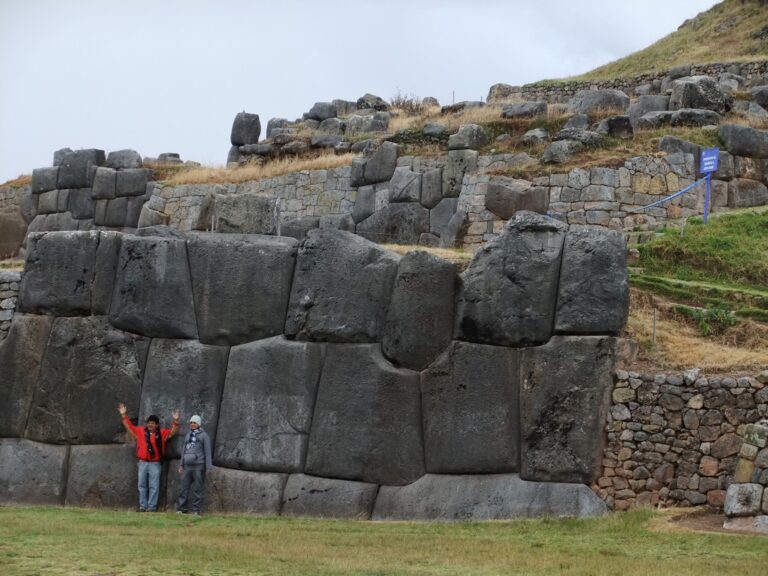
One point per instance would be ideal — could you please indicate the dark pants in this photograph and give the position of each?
(191, 491)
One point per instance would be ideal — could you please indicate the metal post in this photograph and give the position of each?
(707, 197)
(653, 337)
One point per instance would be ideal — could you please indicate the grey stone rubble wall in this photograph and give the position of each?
(9, 293)
(314, 406)
(675, 439)
(746, 502)
(14, 218)
(563, 92)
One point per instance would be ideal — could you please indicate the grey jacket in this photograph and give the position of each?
(197, 455)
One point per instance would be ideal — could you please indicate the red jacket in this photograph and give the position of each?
(141, 442)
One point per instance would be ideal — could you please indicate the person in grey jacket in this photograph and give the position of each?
(195, 462)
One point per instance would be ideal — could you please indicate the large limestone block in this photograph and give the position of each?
(267, 405)
(587, 101)
(367, 420)
(743, 499)
(131, 182)
(44, 179)
(509, 291)
(420, 318)
(470, 400)
(31, 473)
(459, 163)
(401, 223)
(81, 204)
(78, 168)
(593, 297)
(484, 497)
(88, 368)
(153, 290)
(564, 401)
(102, 476)
(744, 193)
(247, 213)
(341, 288)
(104, 183)
(13, 228)
(745, 141)
(68, 273)
(506, 198)
(700, 92)
(328, 497)
(126, 158)
(187, 375)
(20, 356)
(234, 491)
(221, 266)
(441, 215)
(381, 165)
(405, 185)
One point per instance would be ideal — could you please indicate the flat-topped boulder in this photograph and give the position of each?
(587, 101)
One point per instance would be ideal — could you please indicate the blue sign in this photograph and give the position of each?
(709, 160)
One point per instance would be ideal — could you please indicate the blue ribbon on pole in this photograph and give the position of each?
(668, 198)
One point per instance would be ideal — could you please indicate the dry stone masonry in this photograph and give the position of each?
(746, 502)
(334, 377)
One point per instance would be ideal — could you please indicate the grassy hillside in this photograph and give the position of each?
(732, 31)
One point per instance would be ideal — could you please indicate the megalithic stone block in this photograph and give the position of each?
(88, 368)
(234, 491)
(470, 400)
(420, 318)
(341, 288)
(31, 473)
(564, 401)
(59, 273)
(246, 129)
(78, 168)
(266, 410)
(153, 290)
(484, 497)
(593, 296)
(102, 476)
(221, 265)
(44, 179)
(509, 291)
(184, 375)
(367, 420)
(20, 356)
(328, 497)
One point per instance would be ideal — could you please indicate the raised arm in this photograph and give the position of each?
(175, 424)
(124, 418)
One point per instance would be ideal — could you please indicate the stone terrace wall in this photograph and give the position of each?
(674, 439)
(14, 217)
(562, 92)
(9, 291)
(370, 409)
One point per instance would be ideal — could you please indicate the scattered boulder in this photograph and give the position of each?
(332, 126)
(344, 107)
(276, 123)
(434, 130)
(461, 106)
(297, 147)
(760, 95)
(324, 141)
(356, 124)
(459, 163)
(524, 109)
(700, 92)
(561, 151)
(588, 101)
(124, 159)
(745, 141)
(469, 136)
(694, 117)
(616, 127)
(322, 111)
(577, 122)
(372, 102)
(586, 137)
(645, 104)
(535, 136)
(430, 102)
(246, 129)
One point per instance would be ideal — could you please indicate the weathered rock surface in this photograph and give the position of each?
(743, 499)
(126, 158)
(400, 223)
(13, 228)
(419, 321)
(153, 290)
(593, 296)
(20, 356)
(244, 214)
(88, 368)
(524, 109)
(564, 402)
(506, 198)
(235, 491)
(745, 141)
(367, 420)
(441, 215)
(405, 185)
(78, 168)
(328, 497)
(322, 111)
(381, 165)
(470, 399)
(616, 127)
(459, 163)
(184, 375)
(699, 92)
(102, 476)
(509, 290)
(31, 473)
(341, 288)
(484, 497)
(266, 409)
(561, 151)
(469, 136)
(221, 266)
(743, 193)
(246, 129)
(586, 101)
(44, 179)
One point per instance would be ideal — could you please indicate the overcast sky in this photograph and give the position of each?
(170, 75)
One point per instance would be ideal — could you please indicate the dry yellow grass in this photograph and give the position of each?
(679, 345)
(459, 256)
(19, 181)
(250, 172)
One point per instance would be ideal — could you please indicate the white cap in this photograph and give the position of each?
(196, 419)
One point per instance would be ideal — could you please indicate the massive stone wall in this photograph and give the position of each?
(336, 378)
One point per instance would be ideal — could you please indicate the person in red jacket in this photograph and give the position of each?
(150, 445)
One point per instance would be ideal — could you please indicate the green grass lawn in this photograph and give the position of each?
(54, 541)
